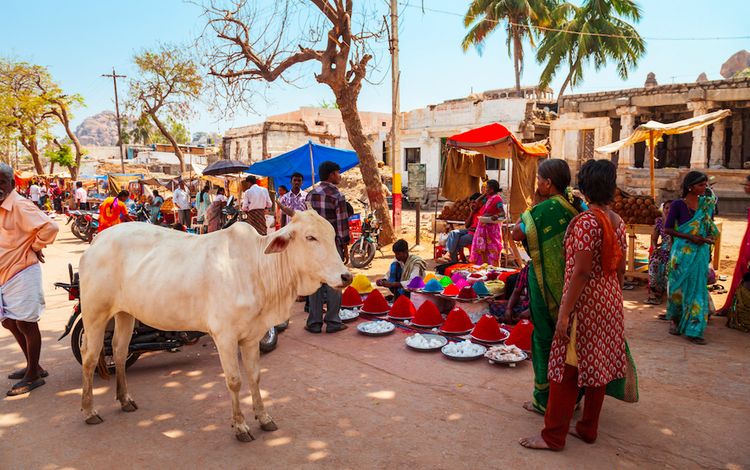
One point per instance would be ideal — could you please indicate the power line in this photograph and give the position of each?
(580, 33)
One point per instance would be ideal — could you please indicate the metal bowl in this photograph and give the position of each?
(464, 358)
(361, 329)
(443, 342)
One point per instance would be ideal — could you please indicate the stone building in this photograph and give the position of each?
(722, 150)
(425, 130)
(283, 132)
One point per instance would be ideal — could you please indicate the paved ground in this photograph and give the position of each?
(347, 401)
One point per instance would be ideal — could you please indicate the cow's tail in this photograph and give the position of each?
(101, 367)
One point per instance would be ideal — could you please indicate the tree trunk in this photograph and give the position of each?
(65, 120)
(51, 168)
(516, 61)
(29, 143)
(563, 87)
(367, 164)
(171, 140)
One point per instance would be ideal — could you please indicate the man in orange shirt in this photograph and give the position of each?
(24, 232)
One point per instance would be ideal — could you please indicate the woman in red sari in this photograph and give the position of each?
(588, 350)
(743, 262)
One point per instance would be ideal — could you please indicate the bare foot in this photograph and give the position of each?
(535, 442)
(574, 432)
(528, 406)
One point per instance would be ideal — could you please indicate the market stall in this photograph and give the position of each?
(464, 166)
(652, 132)
(304, 160)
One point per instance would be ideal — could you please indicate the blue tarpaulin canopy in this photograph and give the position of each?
(305, 160)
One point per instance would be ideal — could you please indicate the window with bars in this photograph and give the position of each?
(586, 146)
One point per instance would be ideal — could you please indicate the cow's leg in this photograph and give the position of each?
(120, 342)
(230, 363)
(251, 359)
(93, 341)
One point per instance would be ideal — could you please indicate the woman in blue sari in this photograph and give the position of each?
(690, 224)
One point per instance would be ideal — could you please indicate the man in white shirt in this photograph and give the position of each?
(181, 199)
(81, 197)
(35, 193)
(255, 201)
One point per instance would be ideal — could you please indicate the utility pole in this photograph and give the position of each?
(396, 165)
(114, 77)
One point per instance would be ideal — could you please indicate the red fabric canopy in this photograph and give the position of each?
(481, 138)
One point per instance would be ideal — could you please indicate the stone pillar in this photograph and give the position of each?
(718, 133)
(699, 152)
(735, 154)
(627, 125)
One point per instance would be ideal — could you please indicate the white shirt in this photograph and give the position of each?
(43, 190)
(34, 190)
(181, 199)
(256, 197)
(81, 195)
(220, 198)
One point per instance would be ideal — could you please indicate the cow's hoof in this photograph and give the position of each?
(129, 406)
(244, 436)
(269, 426)
(94, 419)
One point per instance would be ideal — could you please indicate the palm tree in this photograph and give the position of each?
(593, 33)
(520, 17)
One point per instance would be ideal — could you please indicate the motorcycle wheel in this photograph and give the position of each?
(76, 341)
(269, 341)
(75, 228)
(361, 254)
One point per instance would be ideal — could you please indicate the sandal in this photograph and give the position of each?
(24, 386)
(18, 374)
(674, 331)
(698, 340)
(662, 316)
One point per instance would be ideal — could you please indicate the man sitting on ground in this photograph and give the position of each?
(405, 268)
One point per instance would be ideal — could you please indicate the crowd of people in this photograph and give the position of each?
(571, 288)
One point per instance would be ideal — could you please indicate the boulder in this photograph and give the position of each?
(738, 62)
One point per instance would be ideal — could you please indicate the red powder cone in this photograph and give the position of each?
(521, 335)
(467, 293)
(427, 315)
(402, 308)
(351, 298)
(375, 303)
(458, 321)
(487, 329)
(451, 291)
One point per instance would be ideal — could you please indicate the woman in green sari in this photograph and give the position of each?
(690, 223)
(542, 229)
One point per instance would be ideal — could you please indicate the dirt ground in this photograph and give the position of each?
(348, 401)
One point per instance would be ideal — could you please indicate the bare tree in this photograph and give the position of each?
(251, 47)
(168, 82)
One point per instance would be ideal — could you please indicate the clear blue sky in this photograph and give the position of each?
(80, 40)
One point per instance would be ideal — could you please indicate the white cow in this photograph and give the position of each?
(233, 284)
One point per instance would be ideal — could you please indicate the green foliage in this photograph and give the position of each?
(61, 155)
(606, 36)
(742, 73)
(328, 104)
(179, 131)
(520, 18)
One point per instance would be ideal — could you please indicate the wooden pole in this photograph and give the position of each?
(651, 152)
(114, 77)
(396, 165)
(312, 164)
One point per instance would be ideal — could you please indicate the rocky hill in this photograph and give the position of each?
(737, 63)
(98, 130)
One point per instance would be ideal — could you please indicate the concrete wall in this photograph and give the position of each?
(425, 127)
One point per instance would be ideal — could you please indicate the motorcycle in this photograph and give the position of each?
(144, 339)
(363, 250)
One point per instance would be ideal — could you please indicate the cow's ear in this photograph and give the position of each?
(278, 243)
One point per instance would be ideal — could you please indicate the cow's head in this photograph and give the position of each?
(310, 242)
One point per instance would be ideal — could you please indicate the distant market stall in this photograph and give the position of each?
(652, 132)
(469, 150)
(304, 160)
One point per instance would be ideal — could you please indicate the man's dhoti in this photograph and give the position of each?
(257, 218)
(22, 296)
